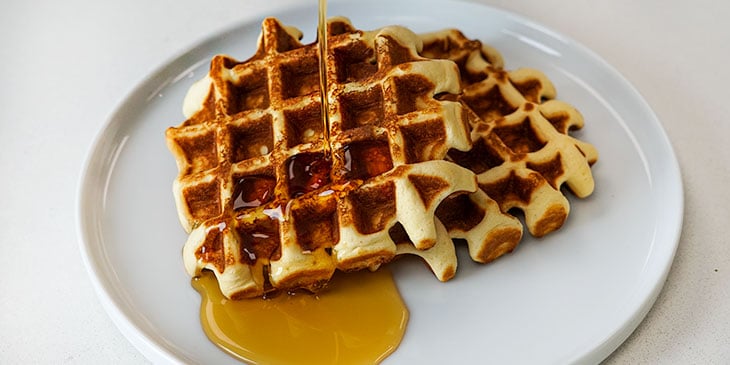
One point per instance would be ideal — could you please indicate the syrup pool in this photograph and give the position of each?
(359, 318)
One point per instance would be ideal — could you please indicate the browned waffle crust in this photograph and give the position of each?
(431, 140)
(267, 209)
(522, 151)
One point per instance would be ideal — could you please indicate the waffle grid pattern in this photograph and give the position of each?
(267, 209)
(432, 142)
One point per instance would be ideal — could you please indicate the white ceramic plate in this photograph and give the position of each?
(571, 297)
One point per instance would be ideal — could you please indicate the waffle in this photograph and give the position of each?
(522, 153)
(431, 141)
(267, 208)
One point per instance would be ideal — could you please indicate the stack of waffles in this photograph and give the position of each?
(430, 141)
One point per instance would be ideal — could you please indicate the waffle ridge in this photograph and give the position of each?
(431, 142)
(264, 205)
(523, 153)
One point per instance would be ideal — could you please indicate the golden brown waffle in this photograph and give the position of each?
(522, 152)
(267, 209)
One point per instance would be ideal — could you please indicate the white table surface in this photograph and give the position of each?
(66, 64)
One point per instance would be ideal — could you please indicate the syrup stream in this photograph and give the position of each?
(359, 318)
(322, 43)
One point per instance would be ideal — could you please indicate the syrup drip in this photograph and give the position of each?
(253, 191)
(308, 172)
(358, 319)
(366, 159)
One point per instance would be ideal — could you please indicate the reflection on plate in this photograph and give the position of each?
(573, 296)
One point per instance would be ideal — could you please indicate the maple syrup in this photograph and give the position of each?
(366, 159)
(322, 43)
(307, 172)
(253, 191)
(358, 319)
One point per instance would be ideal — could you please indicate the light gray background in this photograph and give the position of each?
(66, 65)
